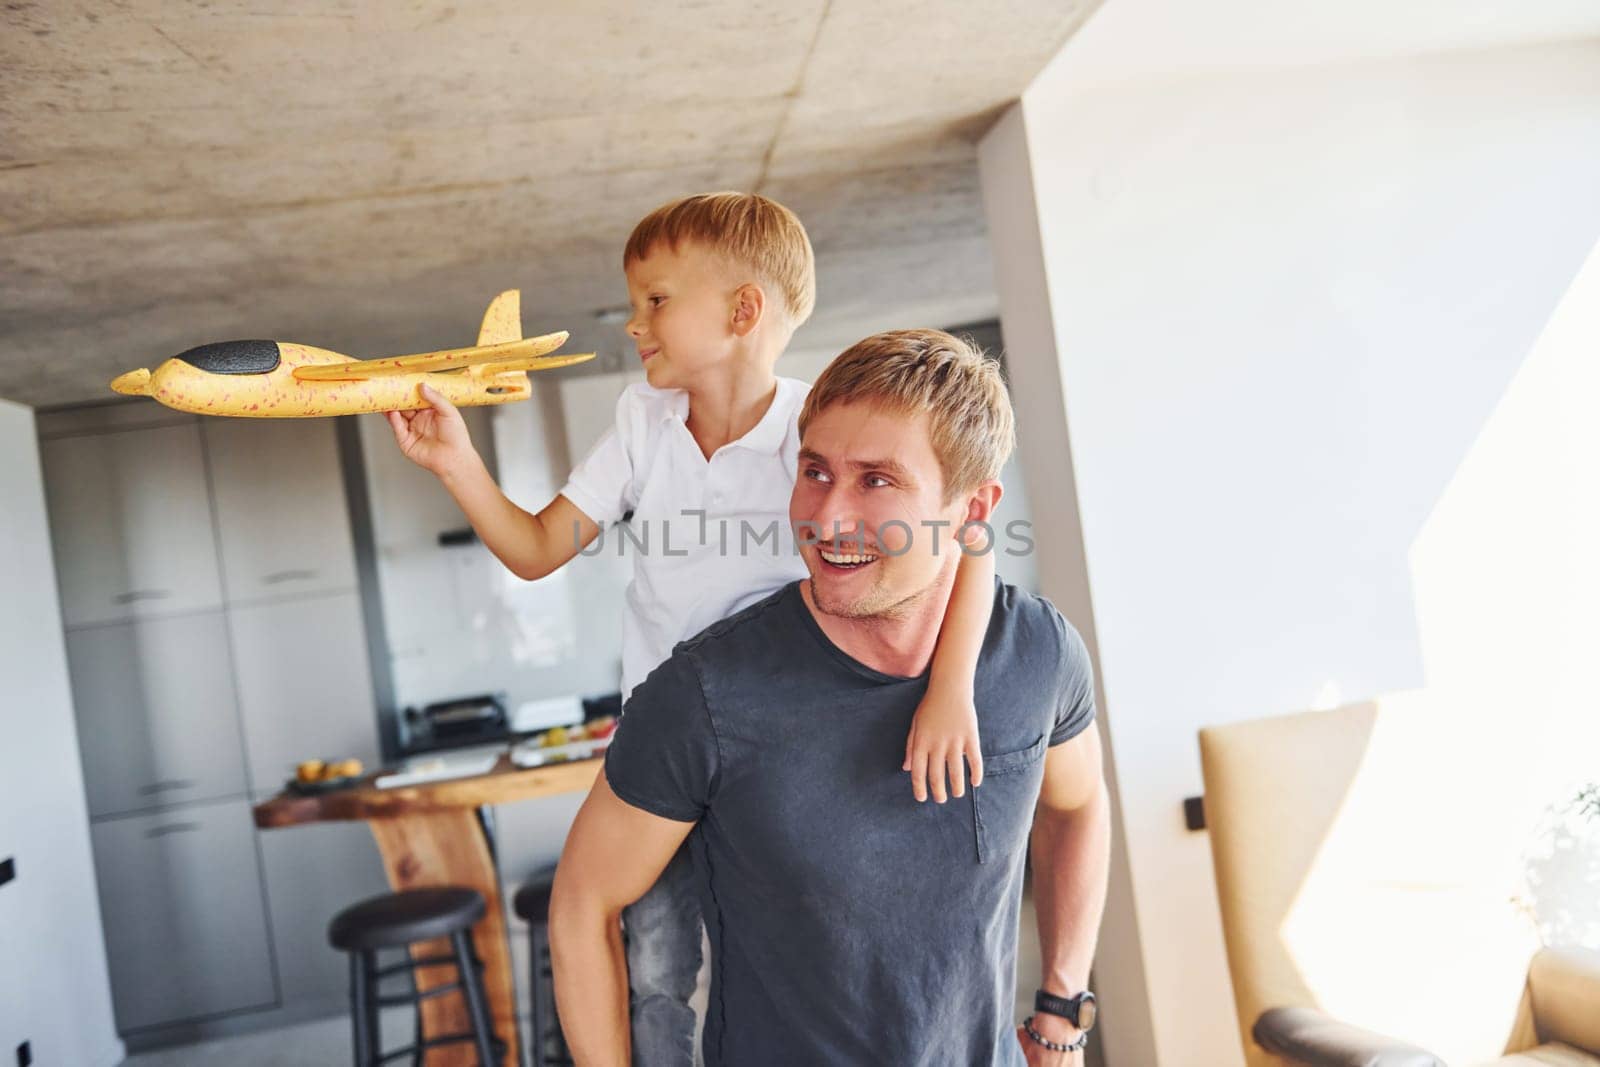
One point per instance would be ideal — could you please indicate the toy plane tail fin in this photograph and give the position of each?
(503, 321)
(134, 383)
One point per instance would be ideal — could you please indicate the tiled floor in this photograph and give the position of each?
(313, 1044)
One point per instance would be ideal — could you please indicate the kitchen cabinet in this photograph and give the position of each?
(304, 686)
(185, 924)
(157, 720)
(281, 516)
(215, 638)
(130, 520)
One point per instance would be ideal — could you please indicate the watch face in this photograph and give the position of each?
(1087, 1010)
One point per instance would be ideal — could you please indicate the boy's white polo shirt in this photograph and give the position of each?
(693, 570)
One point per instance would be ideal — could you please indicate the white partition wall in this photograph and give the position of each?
(1279, 266)
(55, 994)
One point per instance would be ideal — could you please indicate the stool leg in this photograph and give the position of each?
(416, 1033)
(363, 1002)
(374, 1030)
(536, 994)
(472, 986)
(553, 1035)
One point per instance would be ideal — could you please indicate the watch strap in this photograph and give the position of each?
(1061, 1007)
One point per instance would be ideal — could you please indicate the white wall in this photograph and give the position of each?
(55, 992)
(1124, 1031)
(1507, 580)
(1283, 303)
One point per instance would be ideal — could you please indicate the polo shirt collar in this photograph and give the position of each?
(766, 436)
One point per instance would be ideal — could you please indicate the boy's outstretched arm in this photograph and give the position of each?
(531, 546)
(945, 728)
(613, 853)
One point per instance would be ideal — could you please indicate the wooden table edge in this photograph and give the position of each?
(503, 784)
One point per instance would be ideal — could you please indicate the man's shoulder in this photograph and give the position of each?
(1029, 626)
(1026, 608)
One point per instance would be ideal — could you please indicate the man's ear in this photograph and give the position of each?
(982, 501)
(749, 305)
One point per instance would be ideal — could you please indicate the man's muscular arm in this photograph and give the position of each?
(1071, 856)
(613, 853)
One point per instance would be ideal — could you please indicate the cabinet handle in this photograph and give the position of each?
(172, 828)
(161, 787)
(141, 594)
(288, 576)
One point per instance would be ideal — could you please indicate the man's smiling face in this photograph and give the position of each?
(869, 481)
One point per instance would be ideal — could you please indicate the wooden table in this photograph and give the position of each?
(430, 835)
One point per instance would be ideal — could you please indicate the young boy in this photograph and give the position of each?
(705, 457)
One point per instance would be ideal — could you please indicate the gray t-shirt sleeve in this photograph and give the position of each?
(1076, 709)
(663, 758)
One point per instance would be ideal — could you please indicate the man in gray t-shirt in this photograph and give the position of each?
(849, 923)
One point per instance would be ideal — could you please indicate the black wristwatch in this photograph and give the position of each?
(1080, 1010)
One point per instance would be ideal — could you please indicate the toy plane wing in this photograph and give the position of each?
(534, 363)
(447, 359)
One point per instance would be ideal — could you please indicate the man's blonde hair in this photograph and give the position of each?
(907, 371)
(758, 233)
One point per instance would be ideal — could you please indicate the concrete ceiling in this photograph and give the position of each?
(365, 177)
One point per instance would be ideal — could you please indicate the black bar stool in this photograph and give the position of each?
(397, 920)
(532, 905)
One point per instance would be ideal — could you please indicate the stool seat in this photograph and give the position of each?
(532, 902)
(395, 920)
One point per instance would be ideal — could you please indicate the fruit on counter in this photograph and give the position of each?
(593, 730)
(316, 770)
(350, 768)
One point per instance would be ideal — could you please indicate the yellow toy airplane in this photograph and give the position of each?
(276, 379)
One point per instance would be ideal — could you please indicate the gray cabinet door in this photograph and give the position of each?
(313, 872)
(281, 513)
(157, 721)
(186, 932)
(130, 519)
(305, 690)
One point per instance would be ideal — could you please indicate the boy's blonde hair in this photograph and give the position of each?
(970, 421)
(760, 234)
